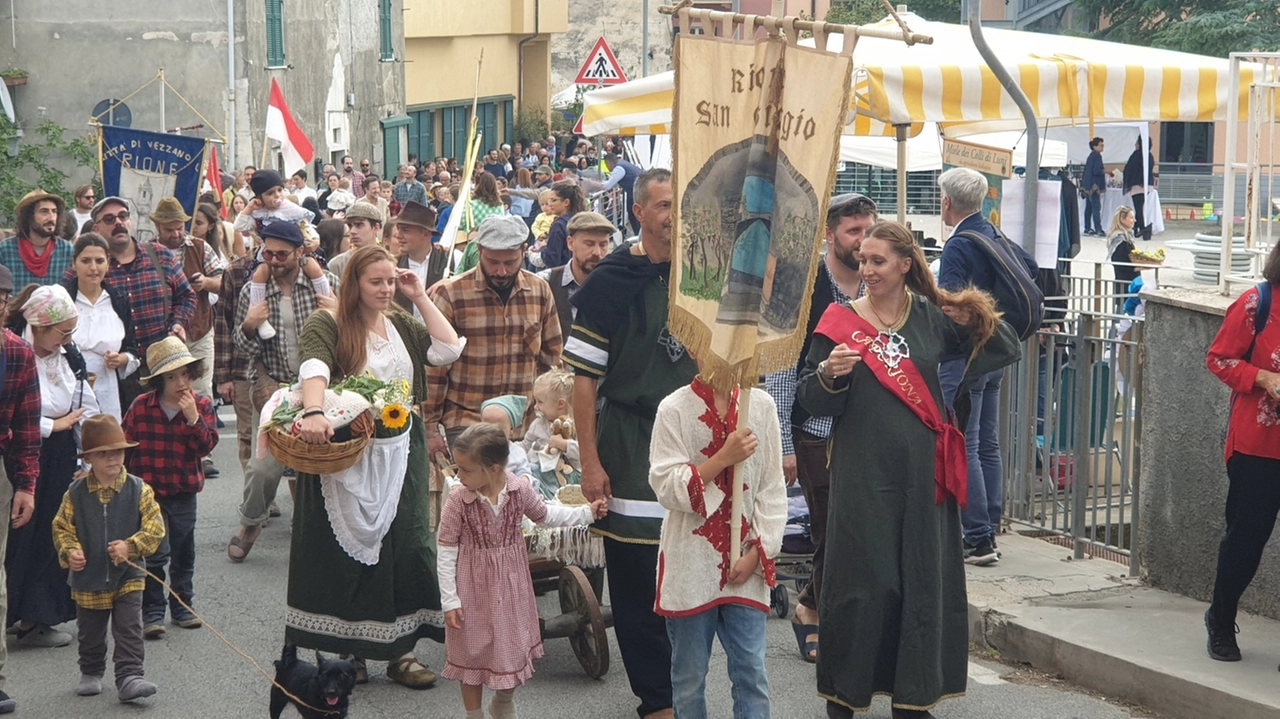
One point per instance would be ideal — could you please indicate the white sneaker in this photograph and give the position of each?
(266, 331)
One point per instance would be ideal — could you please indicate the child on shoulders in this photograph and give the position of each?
(550, 442)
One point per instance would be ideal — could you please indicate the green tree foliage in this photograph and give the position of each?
(1204, 27)
(32, 167)
(530, 125)
(862, 12)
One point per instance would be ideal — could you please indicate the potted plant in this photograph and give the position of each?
(13, 77)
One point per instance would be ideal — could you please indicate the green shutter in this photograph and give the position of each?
(487, 122)
(461, 128)
(421, 134)
(446, 134)
(275, 33)
(384, 22)
(508, 129)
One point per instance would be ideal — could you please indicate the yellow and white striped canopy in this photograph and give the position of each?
(1068, 80)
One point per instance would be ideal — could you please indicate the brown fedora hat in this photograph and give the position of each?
(418, 215)
(102, 433)
(31, 198)
(168, 209)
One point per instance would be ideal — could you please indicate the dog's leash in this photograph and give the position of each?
(294, 698)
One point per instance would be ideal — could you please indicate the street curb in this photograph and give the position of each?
(1106, 674)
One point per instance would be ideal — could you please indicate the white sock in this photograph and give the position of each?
(475, 714)
(257, 292)
(320, 285)
(503, 705)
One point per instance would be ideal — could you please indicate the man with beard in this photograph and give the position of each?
(85, 197)
(804, 438)
(203, 269)
(622, 350)
(590, 235)
(36, 254)
(509, 319)
(291, 299)
(408, 189)
(356, 177)
(160, 297)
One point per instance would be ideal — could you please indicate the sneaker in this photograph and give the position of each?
(135, 687)
(185, 618)
(1222, 640)
(153, 628)
(273, 510)
(89, 686)
(210, 471)
(999, 554)
(7, 705)
(980, 555)
(43, 636)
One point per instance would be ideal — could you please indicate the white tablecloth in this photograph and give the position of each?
(1115, 197)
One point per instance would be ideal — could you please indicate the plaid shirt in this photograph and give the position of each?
(412, 190)
(169, 450)
(145, 542)
(10, 257)
(230, 365)
(20, 413)
(508, 345)
(141, 283)
(273, 353)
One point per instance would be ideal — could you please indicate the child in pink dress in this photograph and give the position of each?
(491, 622)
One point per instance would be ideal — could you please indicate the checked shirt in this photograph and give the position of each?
(11, 257)
(20, 413)
(508, 345)
(230, 364)
(141, 280)
(273, 353)
(169, 450)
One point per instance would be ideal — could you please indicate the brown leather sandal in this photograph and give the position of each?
(241, 545)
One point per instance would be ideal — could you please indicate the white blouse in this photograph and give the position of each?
(60, 392)
(101, 331)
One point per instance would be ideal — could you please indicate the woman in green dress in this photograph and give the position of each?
(895, 614)
(362, 570)
(485, 203)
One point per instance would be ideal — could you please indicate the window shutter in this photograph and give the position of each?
(387, 28)
(508, 129)
(275, 33)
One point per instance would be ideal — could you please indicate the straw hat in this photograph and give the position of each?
(102, 433)
(168, 209)
(167, 355)
(31, 198)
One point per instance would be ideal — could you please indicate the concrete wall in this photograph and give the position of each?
(99, 49)
(333, 50)
(1184, 481)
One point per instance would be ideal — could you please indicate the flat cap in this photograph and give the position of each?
(503, 232)
(590, 222)
(365, 210)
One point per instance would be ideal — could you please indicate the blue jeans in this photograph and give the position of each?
(1093, 212)
(981, 518)
(742, 634)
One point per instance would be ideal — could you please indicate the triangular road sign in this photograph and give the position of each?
(601, 67)
(577, 128)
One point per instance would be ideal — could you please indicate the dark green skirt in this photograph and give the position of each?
(338, 605)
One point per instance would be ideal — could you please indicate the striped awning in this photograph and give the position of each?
(1069, 80)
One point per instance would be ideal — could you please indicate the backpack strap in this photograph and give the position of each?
(165, 290)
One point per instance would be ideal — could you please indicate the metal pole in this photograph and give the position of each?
(231, 86)
(1033, 132)
(901, 132)
(1229, 175)
(1082, 414)
(644, 40)
(162, 125)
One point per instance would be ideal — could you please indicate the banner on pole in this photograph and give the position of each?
(756, 128)
(143, 167)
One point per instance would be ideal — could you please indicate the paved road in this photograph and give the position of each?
(199, 677)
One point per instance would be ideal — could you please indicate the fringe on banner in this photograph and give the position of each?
(568, 545)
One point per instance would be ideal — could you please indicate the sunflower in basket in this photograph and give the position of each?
(359, 408)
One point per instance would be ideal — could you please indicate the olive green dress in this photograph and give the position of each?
(893, 605)
(335, 603)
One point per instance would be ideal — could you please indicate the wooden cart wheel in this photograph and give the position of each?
(590, 644)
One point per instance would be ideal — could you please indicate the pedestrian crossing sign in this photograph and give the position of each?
(601, 67)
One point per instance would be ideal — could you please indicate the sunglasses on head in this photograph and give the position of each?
(111, 219)
(858, 202)
(278, 255)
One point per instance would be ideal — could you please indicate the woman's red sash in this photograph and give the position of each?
(951, 469)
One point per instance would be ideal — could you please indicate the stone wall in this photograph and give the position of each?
(619, 22)
(1183, 481)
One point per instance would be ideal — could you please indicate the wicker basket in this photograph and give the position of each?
(328, 458)
(1137, 259)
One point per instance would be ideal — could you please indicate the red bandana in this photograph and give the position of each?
(37, 265)
(951, 469)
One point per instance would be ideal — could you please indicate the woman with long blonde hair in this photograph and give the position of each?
(378, 593)
(1119, 245)
(894, 611)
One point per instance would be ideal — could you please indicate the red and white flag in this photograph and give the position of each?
(282, 128)
(213, 177)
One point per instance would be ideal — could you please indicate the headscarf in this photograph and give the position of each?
(49, 306)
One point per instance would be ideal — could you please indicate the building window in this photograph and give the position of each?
(487, 125)
(275, 33)
(113, 112)
(455, 122)
(386, 30)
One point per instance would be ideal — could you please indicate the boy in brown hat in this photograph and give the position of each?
(106, 518)
(174, 428)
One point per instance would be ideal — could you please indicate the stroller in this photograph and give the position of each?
(795, 561)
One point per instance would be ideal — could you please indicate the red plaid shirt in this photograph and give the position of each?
(20, 413)
(141, 282)
(169, 450)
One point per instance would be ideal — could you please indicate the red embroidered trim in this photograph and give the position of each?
(697, 493)
(769, 566)
(716, 527)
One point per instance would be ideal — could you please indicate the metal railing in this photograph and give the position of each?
(881, 185)
(1070, 425)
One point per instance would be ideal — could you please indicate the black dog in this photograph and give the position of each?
(324, 686)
